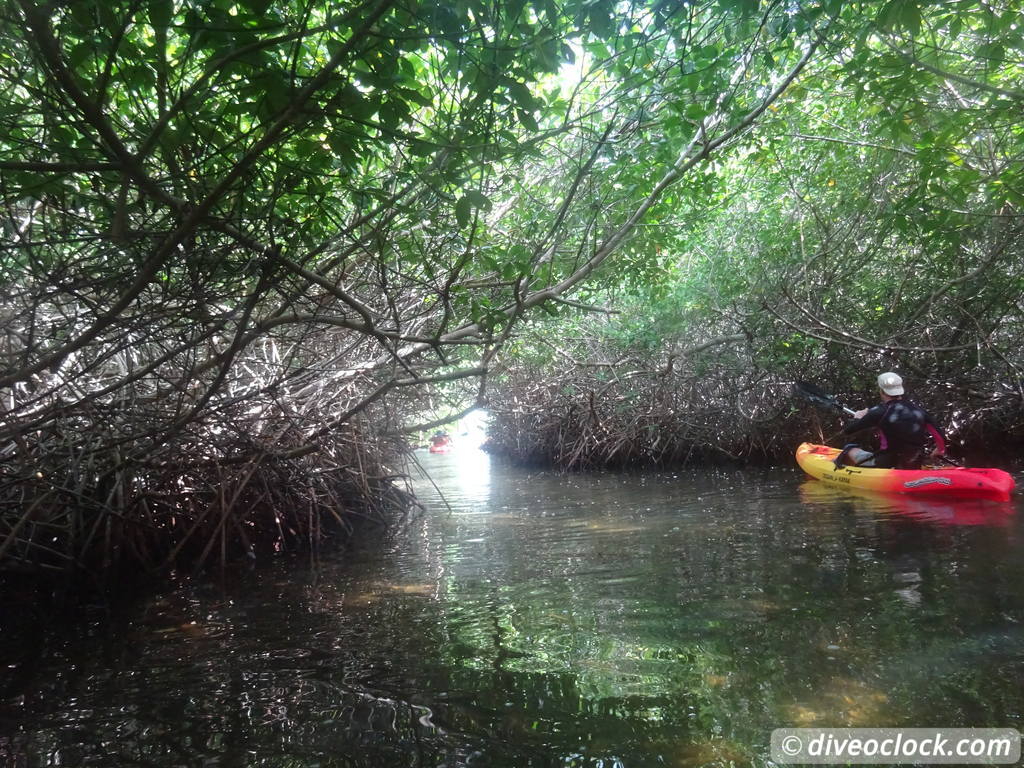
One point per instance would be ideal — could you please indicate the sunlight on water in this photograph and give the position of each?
(470, 474)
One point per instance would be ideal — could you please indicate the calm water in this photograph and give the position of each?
(544, 620)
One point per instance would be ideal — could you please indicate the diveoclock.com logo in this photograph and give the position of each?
(935, 746)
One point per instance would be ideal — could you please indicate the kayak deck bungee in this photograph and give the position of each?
(962, 482)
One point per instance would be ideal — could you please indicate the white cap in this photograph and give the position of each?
(890, 383)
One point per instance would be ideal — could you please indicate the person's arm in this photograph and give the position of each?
(936, 433)
(870, 418)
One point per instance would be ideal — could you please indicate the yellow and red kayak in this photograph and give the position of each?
(962, 482)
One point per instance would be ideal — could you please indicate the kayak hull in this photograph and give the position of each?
(960, 482)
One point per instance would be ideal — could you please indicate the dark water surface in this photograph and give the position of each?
(550, 620)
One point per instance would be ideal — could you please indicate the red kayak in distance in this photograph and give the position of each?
(947, 482)
(440, 442)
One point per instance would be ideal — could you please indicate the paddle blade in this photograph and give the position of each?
(819, 397)
(815, 395)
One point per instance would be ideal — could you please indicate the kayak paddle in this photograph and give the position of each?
(820, 398)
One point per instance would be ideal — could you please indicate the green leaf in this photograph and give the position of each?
(463, 210)
(601, 23)
(510, 271)
(276, 94)
(478, 200)
(413, 95)
(160, 13)
(522, 95)
(306, 148)
(910, 17)
(421, 149)
(353, 103)
(81, 53)
(257, 7)
(888, 15)
(527, 120)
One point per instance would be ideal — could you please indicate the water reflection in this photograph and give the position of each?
(925, 509)
(539, 619)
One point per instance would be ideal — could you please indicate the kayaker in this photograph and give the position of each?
(903, 430)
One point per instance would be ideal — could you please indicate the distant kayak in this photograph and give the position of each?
(960, 482)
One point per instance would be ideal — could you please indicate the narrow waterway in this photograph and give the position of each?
(536, 619)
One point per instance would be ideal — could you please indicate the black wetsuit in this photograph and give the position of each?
(903, 428)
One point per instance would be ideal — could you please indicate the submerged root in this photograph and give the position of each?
(581, 422)
(75, 501)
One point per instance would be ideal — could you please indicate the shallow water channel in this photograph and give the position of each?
(539, 619)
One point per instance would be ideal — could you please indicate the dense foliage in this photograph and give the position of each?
(870, 222)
